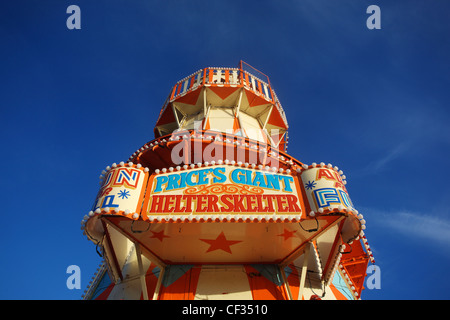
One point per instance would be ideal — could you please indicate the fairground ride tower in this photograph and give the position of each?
(214, 207)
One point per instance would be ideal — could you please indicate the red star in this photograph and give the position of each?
(159, 235)
(220, 243)
(287, 234)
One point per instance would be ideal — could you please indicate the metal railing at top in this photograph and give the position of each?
(230, 77)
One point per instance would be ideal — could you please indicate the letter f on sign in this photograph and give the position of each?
(74, 21)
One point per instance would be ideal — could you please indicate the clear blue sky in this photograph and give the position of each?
(375, 103)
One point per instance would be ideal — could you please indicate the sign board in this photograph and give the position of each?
(122, 189)
(222, 190)
(325, 189)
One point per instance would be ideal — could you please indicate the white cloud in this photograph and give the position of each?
(428, 227)
(395, 153)
(385, 160)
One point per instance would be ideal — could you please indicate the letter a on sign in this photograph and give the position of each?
(374, 21)
(74, 21)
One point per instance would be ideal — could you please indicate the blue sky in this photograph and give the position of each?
(375, 103)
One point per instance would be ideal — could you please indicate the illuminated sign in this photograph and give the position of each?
(325, 189)
(122, 189)
(222, 189)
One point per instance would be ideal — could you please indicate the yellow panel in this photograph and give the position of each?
(221, 119)
(223, 283)
(252, 127)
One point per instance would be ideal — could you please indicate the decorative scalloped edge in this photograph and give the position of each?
(305, 167)
(226, 162)
(348, 281)
(175, 136)
(194, 218)
(94, 281)
(293, 166)
(337, 264)
(367, 247)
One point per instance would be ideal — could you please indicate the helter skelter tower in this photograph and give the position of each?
(214, 207)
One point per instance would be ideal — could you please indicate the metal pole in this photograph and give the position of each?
(304, 270)
(286, 284)
(141, 271)
(158, 284)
